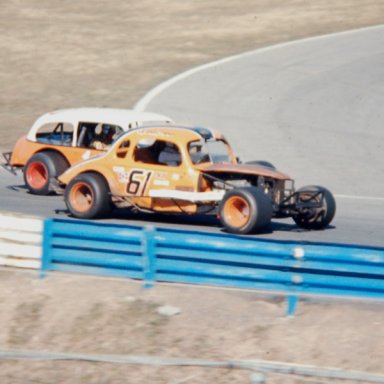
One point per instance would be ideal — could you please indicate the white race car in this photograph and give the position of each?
(61, 138)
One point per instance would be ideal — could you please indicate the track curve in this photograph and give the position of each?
(311, 107)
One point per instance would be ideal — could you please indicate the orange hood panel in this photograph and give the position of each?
(243, 169)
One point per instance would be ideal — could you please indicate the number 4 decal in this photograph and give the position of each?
(137, 182)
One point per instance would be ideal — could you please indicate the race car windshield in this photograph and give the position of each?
(212, 151)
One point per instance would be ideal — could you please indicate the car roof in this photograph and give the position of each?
(125, 118)
(174, 132)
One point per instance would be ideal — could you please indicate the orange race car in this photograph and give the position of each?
(176, 169)
(61, 138)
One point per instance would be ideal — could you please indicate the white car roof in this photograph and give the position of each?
(125, 118)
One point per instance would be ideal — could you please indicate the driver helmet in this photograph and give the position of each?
(107, 132)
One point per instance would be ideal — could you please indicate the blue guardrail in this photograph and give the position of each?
(158, 254)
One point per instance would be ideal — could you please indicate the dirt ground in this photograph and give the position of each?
(57, 54)
(96, 315)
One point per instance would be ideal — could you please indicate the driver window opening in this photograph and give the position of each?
(55, 134)
(198, 152)
(152, 151)
(97, 135)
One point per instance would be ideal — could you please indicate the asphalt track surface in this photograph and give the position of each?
(312, 107)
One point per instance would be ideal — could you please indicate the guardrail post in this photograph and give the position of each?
(46, 256)
(292, 302)
(149, 256)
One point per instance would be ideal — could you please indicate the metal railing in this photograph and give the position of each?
(169, 255)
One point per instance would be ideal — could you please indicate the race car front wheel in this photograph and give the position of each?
(87, 196)
(40, 169)
(245, 210)
(319, 217)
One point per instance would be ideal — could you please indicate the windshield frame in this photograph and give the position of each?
(207, 154)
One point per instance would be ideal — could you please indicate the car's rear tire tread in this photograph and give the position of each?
(256, 208)
(93, 190)
(41, 169)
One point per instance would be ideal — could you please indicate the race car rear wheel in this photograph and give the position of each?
(245, 210)
(87, 196)
(316, 218)
(40, 169)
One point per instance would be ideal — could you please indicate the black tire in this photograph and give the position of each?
(87, 196)
(40, 169)
(316, 218)
(245, 210)
(262, 163)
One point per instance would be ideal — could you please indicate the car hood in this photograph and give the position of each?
(244, 169)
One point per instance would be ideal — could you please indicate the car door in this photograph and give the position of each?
(155, 175)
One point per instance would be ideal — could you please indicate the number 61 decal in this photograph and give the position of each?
(137, 181)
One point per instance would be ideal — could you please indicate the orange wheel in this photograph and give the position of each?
(41, 169)
(81, 197)
(87, 196)
(237, 211)
(36, 175)
(245, 210)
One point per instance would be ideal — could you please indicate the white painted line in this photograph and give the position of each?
(360, 197)
(142, 104)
